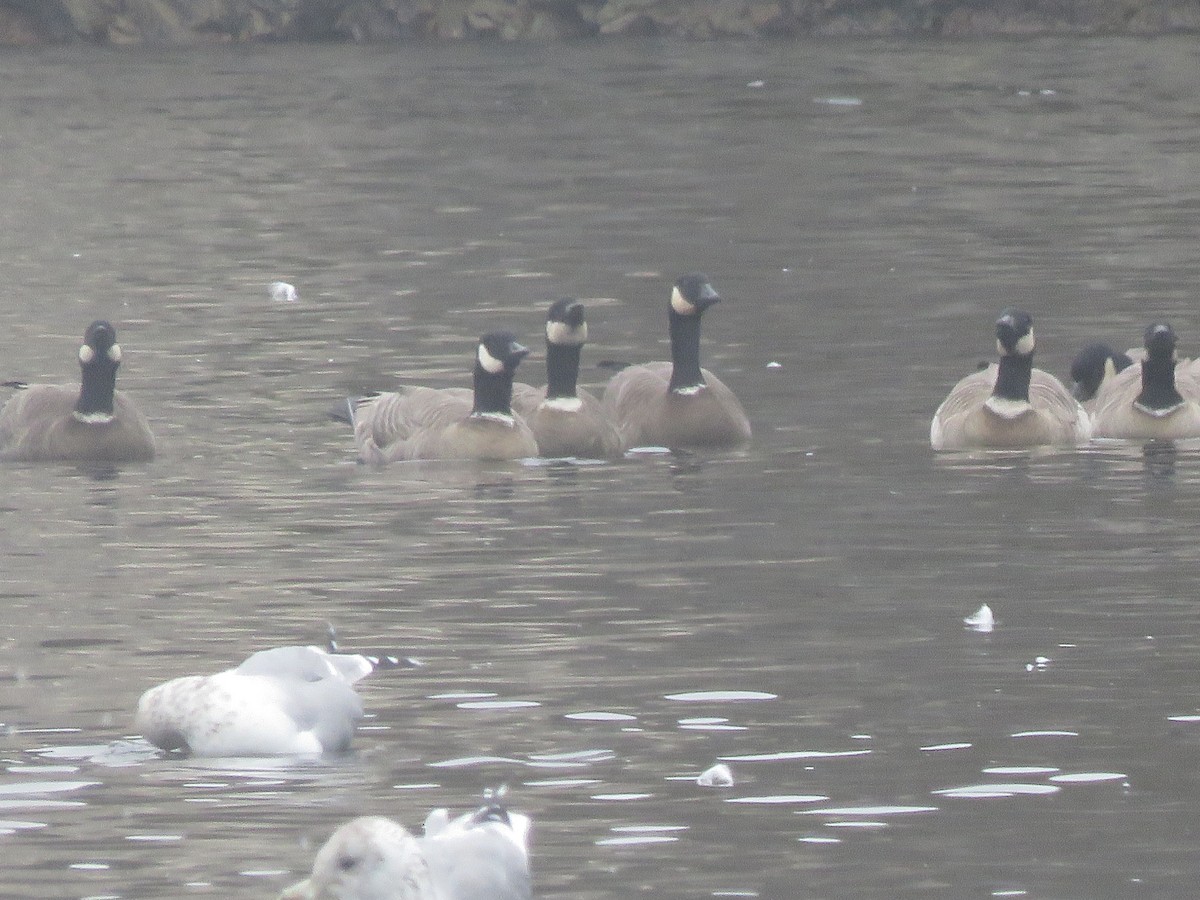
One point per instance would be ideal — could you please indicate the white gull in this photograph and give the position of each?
(481, 855)
(289, 700)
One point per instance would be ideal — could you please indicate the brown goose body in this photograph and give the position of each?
(566, 420)
(450, 423)
(678, 404)
(649, 413)
(38, 423)
(436, 423)
(1157, 398)
(969, 417)
(567, 427)
(90, 422)
(1009, 405)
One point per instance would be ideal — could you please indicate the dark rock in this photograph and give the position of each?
(167, 22)
(368, 22)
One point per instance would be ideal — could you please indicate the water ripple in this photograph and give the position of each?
(721, 696)
(868, 810)
(984, 791)
(1088, 777)
(783, 755)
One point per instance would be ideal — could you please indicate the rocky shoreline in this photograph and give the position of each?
(185, 22)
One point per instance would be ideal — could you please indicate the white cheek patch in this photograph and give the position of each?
(86, 354)
(563, 334)
(489, 362)
(114, 353)
(1025, 345)
(680, 304)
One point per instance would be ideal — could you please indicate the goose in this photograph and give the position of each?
(450, 423)
(283, 701)
(566, 420)
(45, 422)
(1092, 367)
(1010, 405)
(678, 404)
(482, 855)
(1156, 399)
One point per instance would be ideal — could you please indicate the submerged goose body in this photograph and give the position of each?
(284, 701)
(1010, 404)
(678, 404)
(1157, 398)
(450, 423)
(91, 422)
(566, 420)
(482, 855)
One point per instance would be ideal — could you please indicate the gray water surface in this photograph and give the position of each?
(596, 635)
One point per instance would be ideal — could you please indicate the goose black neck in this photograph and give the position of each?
(1012, 381)
(1158, 383)
(96, 391)
(493, 392)
(685, 351)
(562, 369)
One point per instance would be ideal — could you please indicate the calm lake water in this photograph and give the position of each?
(596, 635)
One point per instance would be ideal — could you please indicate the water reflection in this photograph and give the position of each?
(1159, 458)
